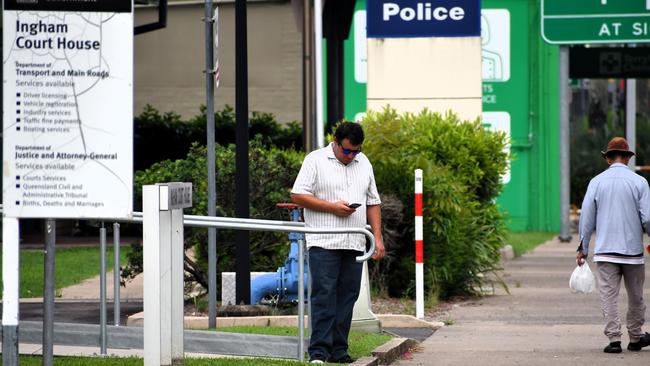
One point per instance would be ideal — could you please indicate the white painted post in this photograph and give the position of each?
(318, 63)
(163, 271)
(177, 310)
(151, 267)
(419, 251)
(10, 292)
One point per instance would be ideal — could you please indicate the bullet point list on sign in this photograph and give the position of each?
(17, 128)
(18, 102)
(17, 203)
(17, 111)
(17, 119)
(17, 185)
(18, 177)
(18, 95)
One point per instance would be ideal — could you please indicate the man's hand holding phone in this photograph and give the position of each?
(343, 208)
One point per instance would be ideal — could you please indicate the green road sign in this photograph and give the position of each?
(595, 21)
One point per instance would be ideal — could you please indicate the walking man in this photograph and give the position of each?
(336, 187)
(617, 206)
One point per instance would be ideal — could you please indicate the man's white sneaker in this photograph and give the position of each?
(316, 361)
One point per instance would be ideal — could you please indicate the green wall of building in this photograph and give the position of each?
(529, 96)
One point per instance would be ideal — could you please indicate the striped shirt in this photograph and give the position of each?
(324, 176)
(617, 206)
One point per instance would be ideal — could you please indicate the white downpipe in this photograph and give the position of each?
(10, 271)
(318, 57)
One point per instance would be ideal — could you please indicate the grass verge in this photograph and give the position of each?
(135, 361)
(361, 343)
(72, 265)
(526, 241)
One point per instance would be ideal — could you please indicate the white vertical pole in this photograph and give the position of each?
(318, 59)
(419, 251)
(165, 274)
(177, 311)
(10, 292)
(151, 268)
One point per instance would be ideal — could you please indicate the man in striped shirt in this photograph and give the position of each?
(617, 206)
(336, 187)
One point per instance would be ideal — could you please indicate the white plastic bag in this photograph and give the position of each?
(582, 280)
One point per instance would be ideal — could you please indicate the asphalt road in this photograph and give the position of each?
(77, 311)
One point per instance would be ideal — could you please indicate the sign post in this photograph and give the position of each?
(595, 21)
(163, 271)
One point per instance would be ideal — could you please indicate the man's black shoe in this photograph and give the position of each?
(614, 347)
(643, 342)
(344, 359)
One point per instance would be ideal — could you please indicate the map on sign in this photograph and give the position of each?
(595, 21)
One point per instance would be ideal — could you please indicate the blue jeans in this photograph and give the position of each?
(336, 279)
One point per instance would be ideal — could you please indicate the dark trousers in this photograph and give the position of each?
(335, 279)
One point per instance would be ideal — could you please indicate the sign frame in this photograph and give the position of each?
(68, 109)
(581, 20)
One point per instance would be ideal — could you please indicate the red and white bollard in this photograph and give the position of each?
(419, 252)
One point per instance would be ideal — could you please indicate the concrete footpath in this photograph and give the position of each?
(539, 323)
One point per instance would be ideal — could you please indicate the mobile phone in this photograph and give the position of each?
(354, 205)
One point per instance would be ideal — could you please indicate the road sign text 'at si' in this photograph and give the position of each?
(595, 21)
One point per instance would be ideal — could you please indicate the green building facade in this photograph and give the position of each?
(520, 97)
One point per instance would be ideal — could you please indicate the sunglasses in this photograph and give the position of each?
(349, 151)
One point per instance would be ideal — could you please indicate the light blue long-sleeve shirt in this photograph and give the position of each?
(617, 206)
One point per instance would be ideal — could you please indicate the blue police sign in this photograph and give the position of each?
(422, 18)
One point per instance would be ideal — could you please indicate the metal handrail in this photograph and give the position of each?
(266, 225)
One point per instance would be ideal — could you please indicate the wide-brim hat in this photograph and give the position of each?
(618, 144)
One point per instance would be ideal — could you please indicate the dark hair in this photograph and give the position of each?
(349, 130)
(616, 154)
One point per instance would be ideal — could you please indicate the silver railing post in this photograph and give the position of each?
(301, 301)
(116, 274)
(102, 290)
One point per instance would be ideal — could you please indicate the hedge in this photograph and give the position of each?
(462, 164)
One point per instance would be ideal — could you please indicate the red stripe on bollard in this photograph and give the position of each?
(419, 252)
(418, 204)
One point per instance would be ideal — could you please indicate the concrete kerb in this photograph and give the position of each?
(201, 322)
(385, 354)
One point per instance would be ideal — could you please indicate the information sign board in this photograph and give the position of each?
(68, 109)
(595, 21)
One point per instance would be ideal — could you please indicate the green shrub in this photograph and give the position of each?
(462, 164)
(588, 140)
(161, 136)
(272, 173)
